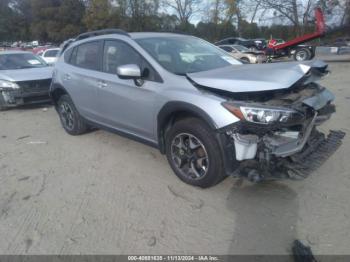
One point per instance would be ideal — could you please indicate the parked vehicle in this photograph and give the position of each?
(49, 55)
(239, 41)
(40, 49)
(210, 114)
(295, 46)
(24, 79)
(244, 54)
(260, 43)
(344, 41)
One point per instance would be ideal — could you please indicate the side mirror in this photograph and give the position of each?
(129, 71)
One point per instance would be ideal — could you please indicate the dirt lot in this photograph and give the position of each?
(104, 194)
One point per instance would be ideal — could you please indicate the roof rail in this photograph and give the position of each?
(101, 32)
(67, 43)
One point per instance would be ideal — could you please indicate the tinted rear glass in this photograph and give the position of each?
(86, 55)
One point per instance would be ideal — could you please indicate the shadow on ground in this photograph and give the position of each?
(266, 218)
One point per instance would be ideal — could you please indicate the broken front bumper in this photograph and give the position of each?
(272, 152)
(299, 163)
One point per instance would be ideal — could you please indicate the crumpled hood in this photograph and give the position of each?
(259, 77)
(29, 74)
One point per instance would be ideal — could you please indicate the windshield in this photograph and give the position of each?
(183, 55)
(20, 61)
(241, 48)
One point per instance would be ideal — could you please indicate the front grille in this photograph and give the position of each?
(35, 86)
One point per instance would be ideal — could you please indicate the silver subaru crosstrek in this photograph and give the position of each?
(210, 114)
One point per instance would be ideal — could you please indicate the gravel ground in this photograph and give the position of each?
(103, 194)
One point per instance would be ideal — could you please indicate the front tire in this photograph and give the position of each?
(193, 153)
(70, 118)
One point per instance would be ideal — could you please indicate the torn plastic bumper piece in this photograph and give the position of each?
(317, 150)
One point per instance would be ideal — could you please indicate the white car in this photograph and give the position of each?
(50, 55)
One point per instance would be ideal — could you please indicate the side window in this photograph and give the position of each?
(117, 53)
(87, 55)
(73, 56)
(68, 55)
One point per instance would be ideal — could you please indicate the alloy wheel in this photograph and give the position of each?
(190, 156)
(67, 116)
(301, 56)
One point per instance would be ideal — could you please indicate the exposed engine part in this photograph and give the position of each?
(281, 145)
(245, 146)
(316, 151)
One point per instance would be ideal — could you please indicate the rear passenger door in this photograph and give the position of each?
(123, 104)
(82, 79)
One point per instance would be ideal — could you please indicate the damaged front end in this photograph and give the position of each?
(13, 94)
(278, 138)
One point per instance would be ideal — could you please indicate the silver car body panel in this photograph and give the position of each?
(31, 74)
(319, 100)
(254, 78)
(110, 105)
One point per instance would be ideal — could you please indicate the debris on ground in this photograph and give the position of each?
(37, 143)
(302, 253)
(23, 137)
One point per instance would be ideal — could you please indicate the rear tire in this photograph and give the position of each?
(70, 118)
(199, 162)
(302, 54)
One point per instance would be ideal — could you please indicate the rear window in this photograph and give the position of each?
(87, 55)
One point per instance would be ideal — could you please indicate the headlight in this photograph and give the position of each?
(7, 85)
(264, 115)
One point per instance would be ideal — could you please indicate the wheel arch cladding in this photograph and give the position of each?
(175, 110)
(56, 92)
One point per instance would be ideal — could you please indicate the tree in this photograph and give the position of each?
(233, 10)
(184, 9)
(69, 20)
(143, 14)
(98, 14)
(297, 12)
(5, 17)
